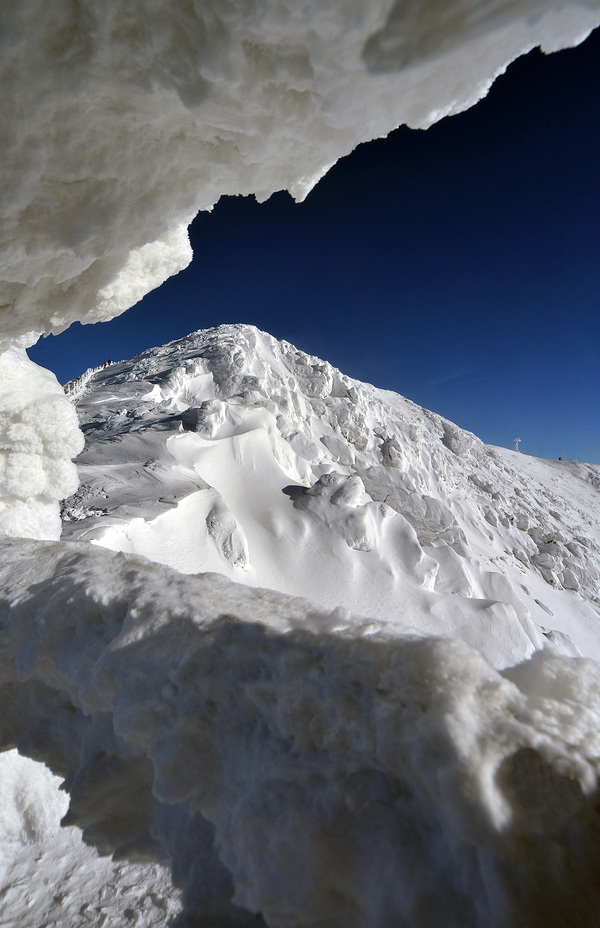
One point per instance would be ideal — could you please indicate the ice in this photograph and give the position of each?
(120, 122)
(39, 434)
(416, 741)
(293, 763)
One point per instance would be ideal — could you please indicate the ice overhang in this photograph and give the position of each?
(122, 119)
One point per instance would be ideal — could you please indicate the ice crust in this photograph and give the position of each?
(39, 434)
(122, 120)
(292, 764)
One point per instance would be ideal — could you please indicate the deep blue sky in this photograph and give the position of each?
(457, 266)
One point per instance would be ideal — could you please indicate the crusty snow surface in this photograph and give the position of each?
(415, 742)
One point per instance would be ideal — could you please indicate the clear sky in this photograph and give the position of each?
(457, 266)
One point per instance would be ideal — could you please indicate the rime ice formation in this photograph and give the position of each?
(293, 763)
(39, 435)
(121, 120)
(413, 743)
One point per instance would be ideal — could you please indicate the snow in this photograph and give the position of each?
(302, 765)
(69, 884)
(39, 434)
(120, 122)
(411, 742)
(229, 451)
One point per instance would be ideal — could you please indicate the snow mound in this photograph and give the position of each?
(139, 113)
(30, 805)
(232, 452)
(296, 764)
(68, 884)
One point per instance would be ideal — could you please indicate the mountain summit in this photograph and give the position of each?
(233, 452)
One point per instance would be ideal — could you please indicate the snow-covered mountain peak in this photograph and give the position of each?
(234, 452)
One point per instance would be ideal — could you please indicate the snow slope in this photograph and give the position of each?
(229, 451)
(415, 742)
(286, 757)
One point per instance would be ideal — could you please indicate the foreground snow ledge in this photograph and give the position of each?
(297, 764)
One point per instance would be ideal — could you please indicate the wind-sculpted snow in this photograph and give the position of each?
(122, 120)
(232, 452)
(302, 766)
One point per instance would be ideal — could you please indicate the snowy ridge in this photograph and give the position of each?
(73, 388)
(231, 451)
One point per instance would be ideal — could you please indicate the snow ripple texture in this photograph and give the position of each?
(295, 768)
(122, 119)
